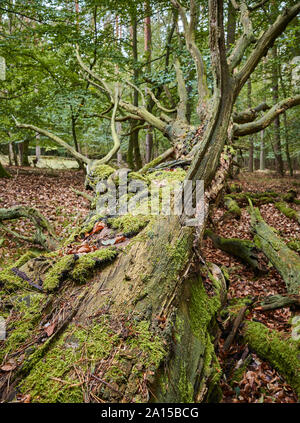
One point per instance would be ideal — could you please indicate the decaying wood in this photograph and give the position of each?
(286, 261)
(236, 324)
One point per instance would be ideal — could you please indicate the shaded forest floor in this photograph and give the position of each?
(52, 194)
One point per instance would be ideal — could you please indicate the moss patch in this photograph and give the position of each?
(87, 262)
(58, 272)
(288, 211)
(283, 354)
(128, 224)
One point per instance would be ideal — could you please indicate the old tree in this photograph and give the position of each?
(138, 321)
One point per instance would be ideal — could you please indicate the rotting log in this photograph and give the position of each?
(286, 261)
(257, 198)
(274, 302)
(288, 211)
(145, 320)
(281, 353)
(243, 249)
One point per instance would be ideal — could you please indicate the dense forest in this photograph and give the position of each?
(149, 201)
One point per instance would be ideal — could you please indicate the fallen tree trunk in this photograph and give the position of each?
(288, 211)
(274, 302)
(146, 320)
(282, 354)
(286, 261)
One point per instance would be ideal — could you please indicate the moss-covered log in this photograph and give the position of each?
(281, 353)
(257, 198)
(243, 249)
(286, 261)
(144, 324)
(288, 211)
(274, 302)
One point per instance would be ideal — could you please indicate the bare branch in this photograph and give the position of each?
(267, 119)
(92, 74)
(132, 85)
(114, 133)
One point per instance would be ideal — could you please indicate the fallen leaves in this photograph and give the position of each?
(9, 366)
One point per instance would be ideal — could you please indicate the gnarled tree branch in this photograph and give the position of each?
(267, 119)
(251, 114)
(54, 138)
(48, 241)
(245, 40)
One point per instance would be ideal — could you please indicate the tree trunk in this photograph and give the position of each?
(262, 156)
(277, 137)
(23, 153)
(3, 172)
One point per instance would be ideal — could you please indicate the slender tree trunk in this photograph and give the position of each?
(251, 147)
(148, 54)
(276, 125)
(262, 156)
(134, 156)
(23, 153)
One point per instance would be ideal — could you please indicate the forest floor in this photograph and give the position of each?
(51, 193)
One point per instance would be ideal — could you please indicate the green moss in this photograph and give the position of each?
(209, 307)
(87, 262)
(149, 344)
(136, 175)
(287, 211)
(8, 279)
(58, 272)
(170, 176)
(128, 224)
(29, 310)
(81, 230)
(25, 258)
(185, 387)
(102, 171)
(294, 245)
(282, 354)
(232, 208)
(95, 341)
(84, 347)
